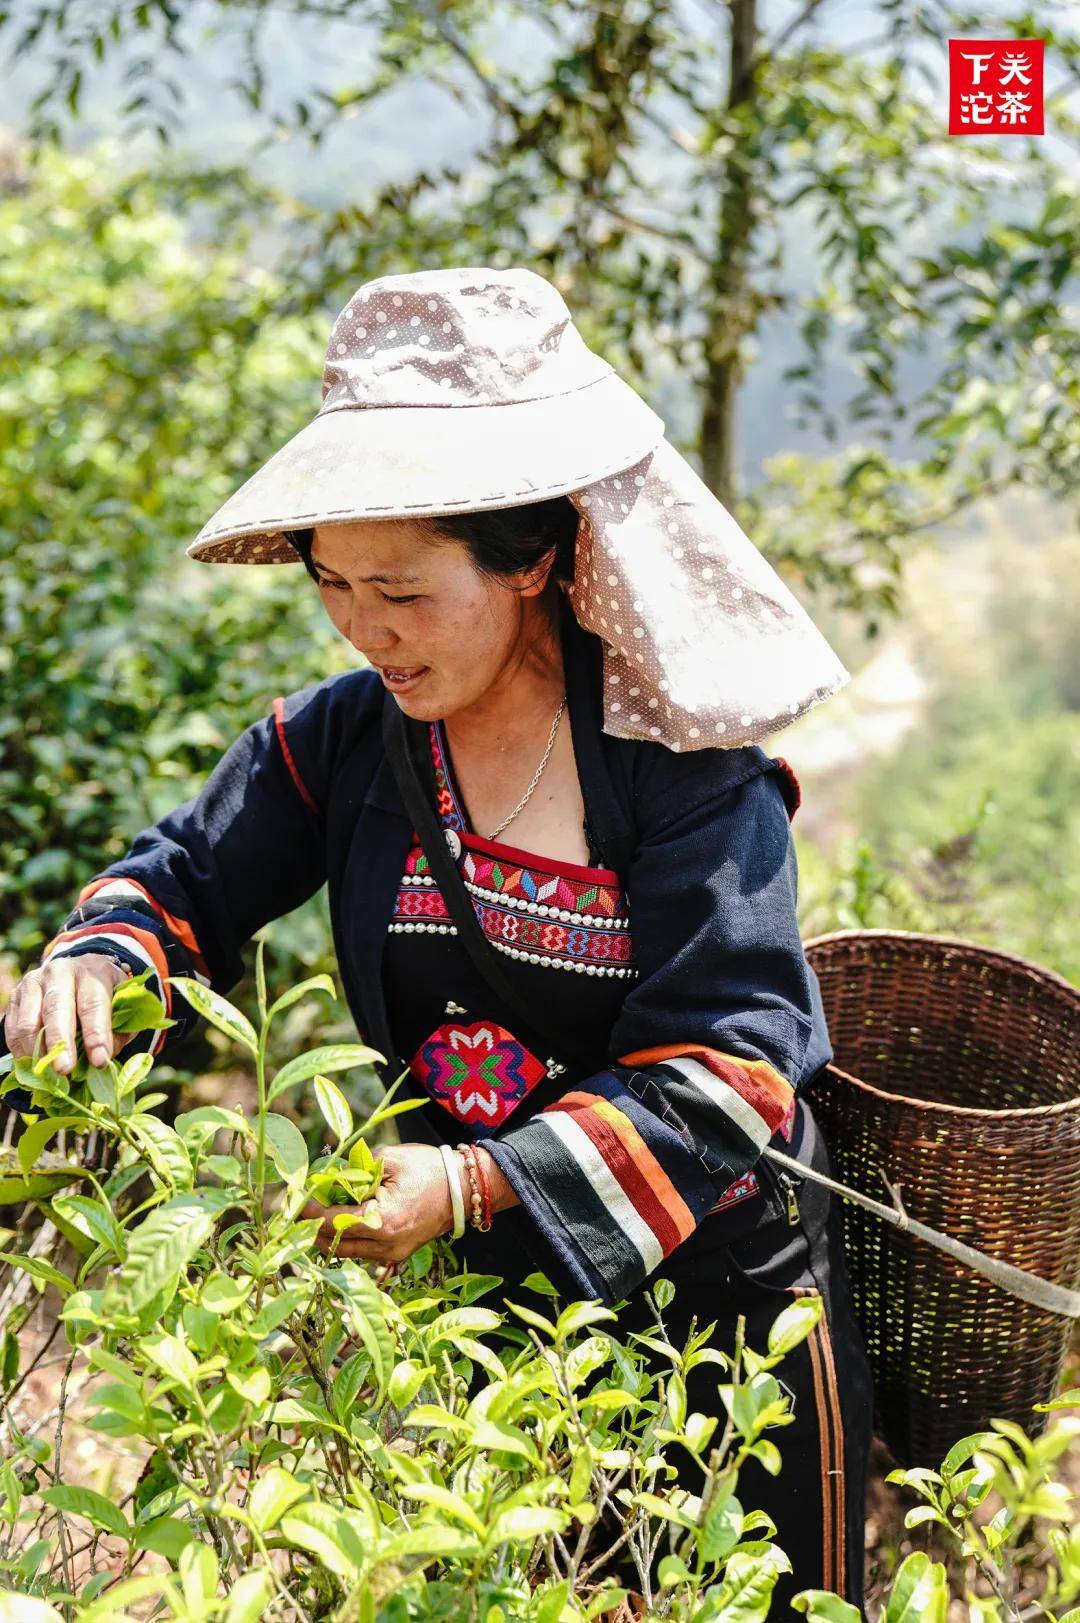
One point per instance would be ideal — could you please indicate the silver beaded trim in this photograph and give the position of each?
(563, 915)
(423, 925)
(563, 963)
(541, 910)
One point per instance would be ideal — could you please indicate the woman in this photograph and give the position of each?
(579, 648)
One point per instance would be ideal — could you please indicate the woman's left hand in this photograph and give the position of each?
(413, 1201)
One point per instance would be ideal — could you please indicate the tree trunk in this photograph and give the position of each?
(727, 300)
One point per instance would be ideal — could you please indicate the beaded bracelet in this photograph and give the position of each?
(480, 1199)
(474, 1202)
(484, 1184)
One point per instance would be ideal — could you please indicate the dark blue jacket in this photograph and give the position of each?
(717, 1037)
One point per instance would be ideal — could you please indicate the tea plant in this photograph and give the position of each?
(309, 1439)
(314, 1446)
(1009, 1549)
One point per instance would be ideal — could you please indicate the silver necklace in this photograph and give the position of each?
(536, 774)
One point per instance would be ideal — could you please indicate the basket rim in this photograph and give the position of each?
(976, 949)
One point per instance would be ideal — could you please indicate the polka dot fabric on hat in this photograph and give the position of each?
(451, 390)
(417, 348)
(704, 645)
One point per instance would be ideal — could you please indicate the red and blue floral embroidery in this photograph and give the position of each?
(478, 1072)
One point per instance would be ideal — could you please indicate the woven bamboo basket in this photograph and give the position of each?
(957, 1072)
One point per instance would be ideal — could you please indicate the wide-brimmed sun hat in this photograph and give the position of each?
(464, 389)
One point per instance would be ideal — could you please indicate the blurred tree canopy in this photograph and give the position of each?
(684, 175)
(137, 375)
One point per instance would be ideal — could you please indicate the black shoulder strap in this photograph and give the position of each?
(409, 755)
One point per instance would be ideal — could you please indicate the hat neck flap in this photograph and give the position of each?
(703, 644)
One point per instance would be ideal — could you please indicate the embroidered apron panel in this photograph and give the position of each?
(567, 933)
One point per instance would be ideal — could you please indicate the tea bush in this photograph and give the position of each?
(315, 1446)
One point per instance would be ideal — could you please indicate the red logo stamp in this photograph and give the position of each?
(996, 87)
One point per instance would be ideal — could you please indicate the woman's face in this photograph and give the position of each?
(440, 633)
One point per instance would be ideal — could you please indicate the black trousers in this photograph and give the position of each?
(818, 1498)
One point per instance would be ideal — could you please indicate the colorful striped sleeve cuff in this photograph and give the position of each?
(620, 1170)
(121, 914)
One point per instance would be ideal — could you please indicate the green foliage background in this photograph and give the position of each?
(149, 361)
(142, 375)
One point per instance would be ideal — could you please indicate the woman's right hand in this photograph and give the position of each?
(50, 998)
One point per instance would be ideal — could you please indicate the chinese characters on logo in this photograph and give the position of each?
(996, 87)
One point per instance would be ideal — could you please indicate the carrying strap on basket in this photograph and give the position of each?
(1043, 1293)
(408, 751)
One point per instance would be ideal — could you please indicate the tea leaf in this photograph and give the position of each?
(722, 1528)
(199, 1575)
(166, 1536)
(160, 1249)
(672, 1571)
(1063, 1400)
(348, 1381)
(522, 1524)
(218, 1010)
(19, 1608)
(40, 1270)
(822, 1606)
(379, 1346)
(317, 983)
(286, 1147)
(260, 977)
(253, 1386)
(93, 1218)
(327, 1536)
(49, 1174)
(164, 1150)
(248, 1597)
(172, 1357)
(580, 1314)
(537, 1320)
(335, 1057)
(35, 1138)
(961, 1452)
(334, 1106)
(361, 1158)
(794, 1324)
(110, 1607)
(135, 1008)
(133, 1073)
(451, 1324)
(451, 1504)
(221, 1294)
(92, 1507)
(273, 1494)
(508, 1439)
(431, 1539)
(405, 1381)
(919, 1593)
(384, 1113)
(276, 1309)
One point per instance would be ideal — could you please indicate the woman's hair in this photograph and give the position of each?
(500, 541)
